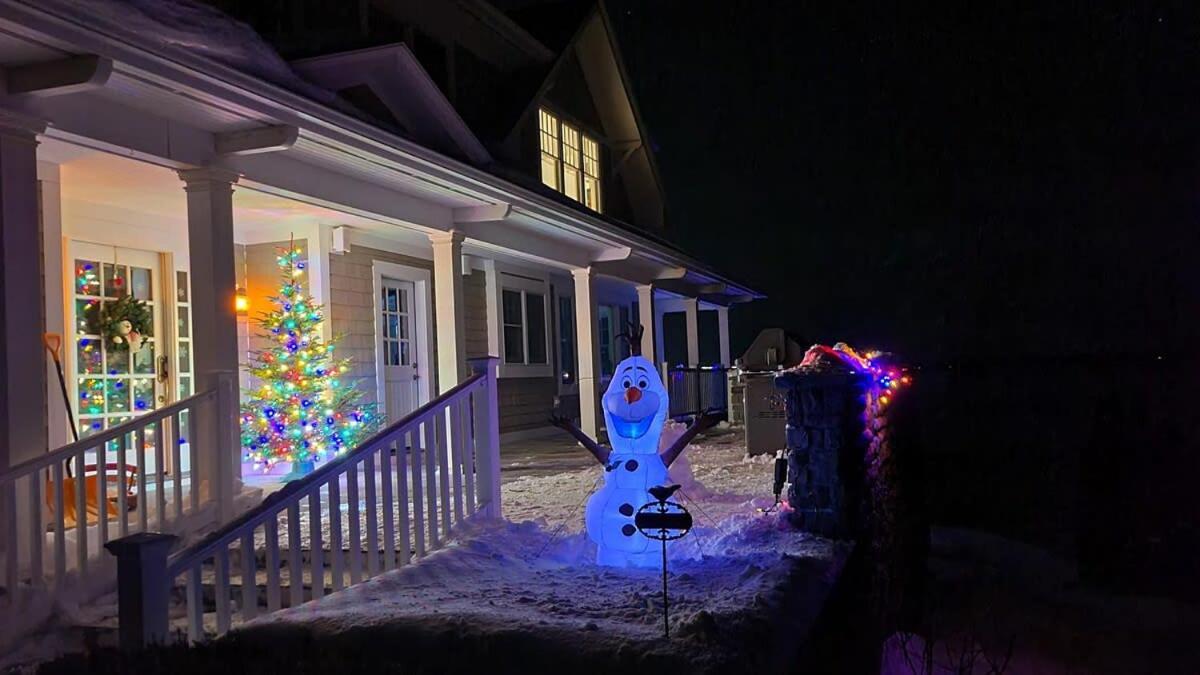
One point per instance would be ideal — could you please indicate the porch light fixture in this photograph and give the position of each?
(241, 303)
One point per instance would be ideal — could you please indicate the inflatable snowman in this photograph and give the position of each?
(635, 408)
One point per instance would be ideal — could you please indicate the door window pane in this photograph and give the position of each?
(90, 360)
(87, 277)
(185, 357)
(116, 394)
(115, 281)
(181, 322)
(91, 396)
(535, 322)
(116, 361)
(143, 359)
(140, 282)
(143, 394)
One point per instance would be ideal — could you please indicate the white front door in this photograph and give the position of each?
(396, 347)
(110, 385)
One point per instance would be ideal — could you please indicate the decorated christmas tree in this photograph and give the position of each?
(299, 412)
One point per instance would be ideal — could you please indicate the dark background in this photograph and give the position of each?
(953, 182)
(1005, 196)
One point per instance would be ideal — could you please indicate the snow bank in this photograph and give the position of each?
(502, 584)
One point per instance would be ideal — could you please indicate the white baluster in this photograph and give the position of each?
(355, 543)
(468, 425)
(271, 539)
(443, 446)
(372, 515)
(122, 505)
(388, 506)
(143, 501)
(418, 505)
(221, 588)
(160, 485)
(315, 552)
(81, 517)
(9, 510)
(171, 438)
(431, 485)
(456, 453)
(402, 496)
(295, 564)
(37, 528)
(60, 535)
(249, 577)
(336, 568)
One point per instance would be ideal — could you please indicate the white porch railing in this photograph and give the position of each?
(57, 511)
(407, 486)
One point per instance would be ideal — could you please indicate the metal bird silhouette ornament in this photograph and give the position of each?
(635, 408)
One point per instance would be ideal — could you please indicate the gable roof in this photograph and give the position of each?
(395, 77)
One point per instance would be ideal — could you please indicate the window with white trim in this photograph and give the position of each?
(523, 322)
(570, 160)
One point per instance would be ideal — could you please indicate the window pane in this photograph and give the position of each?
(143, 359)
(116, 393)
(405, 359)
(566, 341)
(512, 308)
(91, 396)
(550, 171)
(114, 280)
(514, 351)
(87, 318)
(185, 387)
(142, 288)
(182, 322)
(87, 277)
(535, 315)
(571, 182)
(90, 361)
(393, 353)
(116, 361)
(185, 357)
(143, 394)
(591, 193)
(181, 286)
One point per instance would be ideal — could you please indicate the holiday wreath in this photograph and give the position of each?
(124, 322)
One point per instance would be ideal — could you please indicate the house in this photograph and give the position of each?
(462, 184)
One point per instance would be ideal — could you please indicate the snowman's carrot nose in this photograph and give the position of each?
(633, 394)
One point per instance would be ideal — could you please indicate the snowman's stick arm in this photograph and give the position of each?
(598, 451)
(699, 424)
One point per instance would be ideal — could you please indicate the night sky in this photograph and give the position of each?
(974, 182)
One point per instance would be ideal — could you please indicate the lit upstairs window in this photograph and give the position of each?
(570, 160)
(551, 160)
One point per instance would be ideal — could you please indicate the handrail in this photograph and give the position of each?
(68, 451)
(270, 506)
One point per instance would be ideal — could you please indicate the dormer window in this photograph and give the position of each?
(570, 160)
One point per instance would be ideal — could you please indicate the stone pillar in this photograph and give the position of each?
(214, 333)
(723, 335)
(23, 382)
(691, 311)
(646, 317)
(448, 301)
(826, 446)
(587, 338)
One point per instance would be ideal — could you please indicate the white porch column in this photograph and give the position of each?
(214, 333)
(23, 381)
(648, 318)
(49, 187)
(723, 334)
(587, 338)
(691, 310)
(448, 299)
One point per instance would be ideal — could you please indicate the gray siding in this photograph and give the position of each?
(475, 320)
(525, 402)
(351, 311)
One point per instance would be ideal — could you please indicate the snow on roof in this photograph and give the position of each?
(193, 27)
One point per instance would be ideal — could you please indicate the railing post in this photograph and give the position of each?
(143, 588)
(487, 436)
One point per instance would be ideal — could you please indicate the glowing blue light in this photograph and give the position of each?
(634, 415)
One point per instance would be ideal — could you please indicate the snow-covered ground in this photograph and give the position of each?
(744, 586)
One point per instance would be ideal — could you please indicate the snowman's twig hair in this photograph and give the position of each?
(634, 338)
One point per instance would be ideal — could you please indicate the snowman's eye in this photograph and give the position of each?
(626, 384)
(641, 384)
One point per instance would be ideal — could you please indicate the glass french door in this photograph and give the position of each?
(108, 385)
